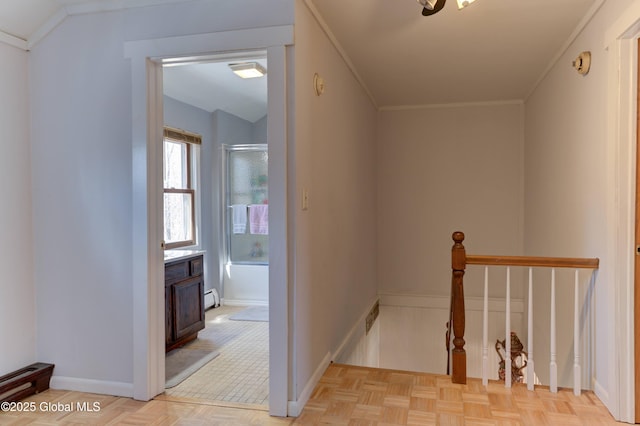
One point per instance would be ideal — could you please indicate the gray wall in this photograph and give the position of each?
(17, 293)
(333, 158)
(446, 169)
(569, 182)
(81, 126)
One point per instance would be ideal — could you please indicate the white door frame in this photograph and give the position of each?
(148, 262)
(620, 41)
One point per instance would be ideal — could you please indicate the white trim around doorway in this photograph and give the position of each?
(148, 297)
(620, 42)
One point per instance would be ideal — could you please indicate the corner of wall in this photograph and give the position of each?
(295, 407)
(602, 394)
(350, 348)
(13, 41)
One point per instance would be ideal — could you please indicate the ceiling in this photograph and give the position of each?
(23, 18)
(213, 86)
(493, 50)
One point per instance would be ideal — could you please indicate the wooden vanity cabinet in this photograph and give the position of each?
(184, 300)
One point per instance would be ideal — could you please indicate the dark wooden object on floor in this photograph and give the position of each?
(184, 301)
(27, 381)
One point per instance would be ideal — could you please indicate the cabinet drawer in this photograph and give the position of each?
(176, 271)
(195, 266)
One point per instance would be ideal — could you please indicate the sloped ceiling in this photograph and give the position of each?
(22, 18)
(212, 86)
(493, 50)
(28, 20)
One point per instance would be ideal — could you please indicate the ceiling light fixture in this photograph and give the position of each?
(248, 69)
(464, 3)
(431, 7)
(428, 4)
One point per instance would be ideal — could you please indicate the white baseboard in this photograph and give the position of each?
(103, 387)
(612, 406)
(360, 324)
(444, 302)
(294, 408)
(601, 393)
(240, 302)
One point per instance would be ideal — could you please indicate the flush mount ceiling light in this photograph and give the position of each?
(248, 69)
(464, 3)
(431, 7)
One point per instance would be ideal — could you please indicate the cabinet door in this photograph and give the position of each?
(188, 307)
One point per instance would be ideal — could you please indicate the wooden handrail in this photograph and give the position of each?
(531, 261)
(459, 261)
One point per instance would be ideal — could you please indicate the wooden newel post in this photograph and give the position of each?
(458, 265)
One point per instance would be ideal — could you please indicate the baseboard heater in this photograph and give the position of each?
(27, 381)
(211, 299)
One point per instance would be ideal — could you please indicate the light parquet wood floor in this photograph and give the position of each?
(348, 395)
(54, 407)
(345, 395)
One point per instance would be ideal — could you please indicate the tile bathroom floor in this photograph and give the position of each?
(239, 376)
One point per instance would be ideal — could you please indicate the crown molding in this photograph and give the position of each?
(77, 9)
(341, 51)
(574, 35)
(113, 5)
(48, 26)
(452, 105)
(14, 41)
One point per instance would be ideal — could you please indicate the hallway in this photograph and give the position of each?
(346, 395)
(360, 395)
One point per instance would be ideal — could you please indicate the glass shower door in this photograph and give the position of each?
(247, 204)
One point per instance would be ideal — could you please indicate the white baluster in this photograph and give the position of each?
(553, 367)
(530, 365)
(507, 327)
(576, 339)
(485, 330)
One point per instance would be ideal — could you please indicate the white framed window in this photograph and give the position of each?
(179, 164)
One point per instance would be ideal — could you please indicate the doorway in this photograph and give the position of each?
(204, 96)
(620, 340)
(146, 57)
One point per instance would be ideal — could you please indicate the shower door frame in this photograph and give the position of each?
(225, 227)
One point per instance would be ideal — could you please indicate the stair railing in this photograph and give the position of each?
(459, 261)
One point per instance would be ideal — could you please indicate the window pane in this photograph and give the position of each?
(178, 217)
(175, 165)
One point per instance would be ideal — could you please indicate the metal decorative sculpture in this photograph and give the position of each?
(518, 359)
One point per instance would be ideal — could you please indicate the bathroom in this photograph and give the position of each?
(228, 221)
